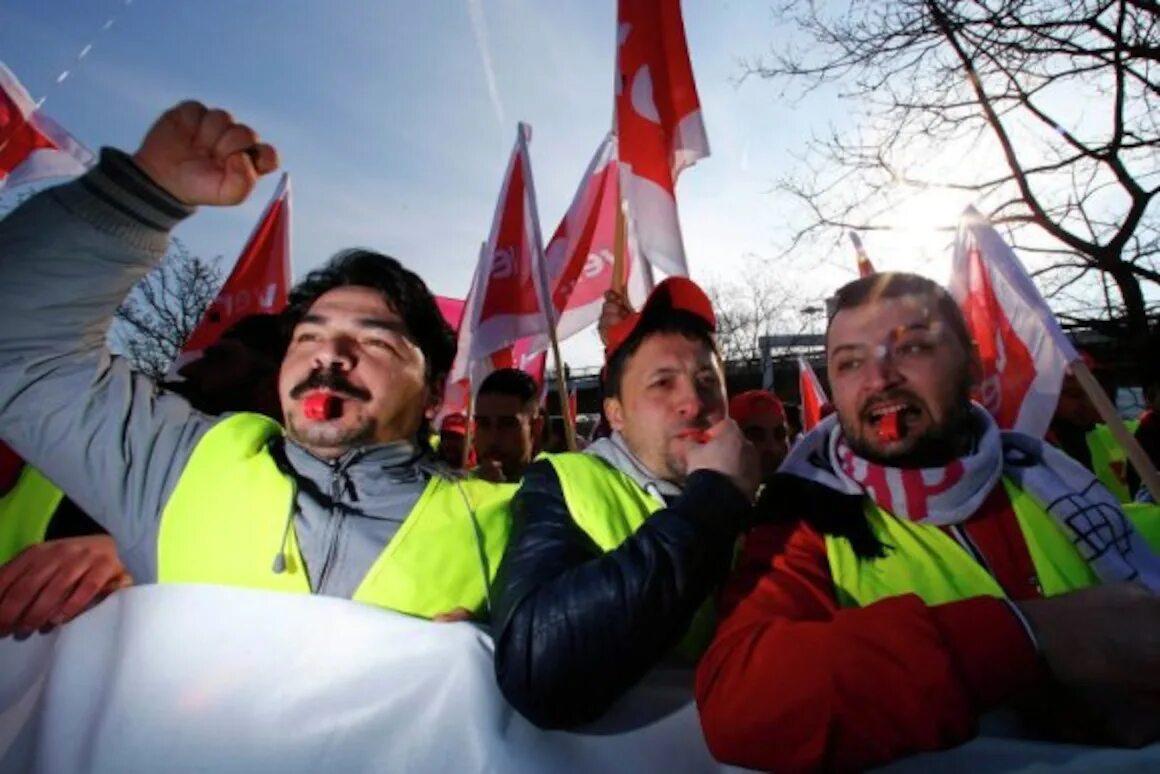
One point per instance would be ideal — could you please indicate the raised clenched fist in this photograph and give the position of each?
(203, 156)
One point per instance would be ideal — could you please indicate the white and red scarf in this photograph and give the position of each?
(1086, 511)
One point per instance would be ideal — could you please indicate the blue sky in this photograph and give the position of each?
(395, 119)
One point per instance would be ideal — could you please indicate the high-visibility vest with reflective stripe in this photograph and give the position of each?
(25, 512)
(225, 520)
(610, 507)
(924, 560)
(1110, 460)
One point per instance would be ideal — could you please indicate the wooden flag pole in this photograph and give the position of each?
(1138, 457)
(469, 436)
(619, 249)
(562, 389)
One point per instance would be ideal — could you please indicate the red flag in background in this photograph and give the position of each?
(509, 293)
(260, 281)
(865, 268)
(658, 123)
(1023, 349)
(32, 146)
(812, 395)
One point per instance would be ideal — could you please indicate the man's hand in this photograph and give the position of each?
(203, 156)
(453, 616)
(614, 310)
(51, 583)
(727, 450)
(1106, 637)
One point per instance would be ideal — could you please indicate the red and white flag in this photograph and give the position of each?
(509, 295)
(33, 146)
(658, 123)
(260, 280)
(813, 396)
(1023, 349)
(580, 256)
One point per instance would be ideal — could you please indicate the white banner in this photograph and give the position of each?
(214, 679)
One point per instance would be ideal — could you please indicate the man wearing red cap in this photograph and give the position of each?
(453, 440)
(761, 417)
(616, 550)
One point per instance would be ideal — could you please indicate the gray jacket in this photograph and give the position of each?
(109, 437)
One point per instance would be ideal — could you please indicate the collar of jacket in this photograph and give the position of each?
(368, 470)
(614, 450)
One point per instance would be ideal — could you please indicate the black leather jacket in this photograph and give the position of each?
(577, 627)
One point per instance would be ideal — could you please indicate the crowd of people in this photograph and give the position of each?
(867, 591)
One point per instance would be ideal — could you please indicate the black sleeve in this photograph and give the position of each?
(577, 627)
(69, 521)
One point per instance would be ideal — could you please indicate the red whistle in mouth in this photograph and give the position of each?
(888, 428)
(695, 435)
(318, 406)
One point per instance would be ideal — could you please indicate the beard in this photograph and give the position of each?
(938, 445)
(330, 437)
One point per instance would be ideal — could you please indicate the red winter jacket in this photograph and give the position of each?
(793, 682)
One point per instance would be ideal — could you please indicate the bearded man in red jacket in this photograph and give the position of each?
(918, 568)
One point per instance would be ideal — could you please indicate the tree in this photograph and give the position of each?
(158, 316)
(755, 305)
(1048, 112)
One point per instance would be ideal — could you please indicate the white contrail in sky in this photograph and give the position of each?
(479, 31)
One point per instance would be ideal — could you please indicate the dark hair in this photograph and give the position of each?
(680, 322)
(402, 289)
(511, 381)
(264, 334)
(877, 287)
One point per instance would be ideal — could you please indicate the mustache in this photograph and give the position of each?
(332, 381)
(890, 396)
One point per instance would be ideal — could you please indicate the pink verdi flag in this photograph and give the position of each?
(1023, 350)
(658, 123)
(32, 146)
(579, 257)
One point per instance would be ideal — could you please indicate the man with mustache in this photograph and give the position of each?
(920, 568)
(616, 550)
(345, 500)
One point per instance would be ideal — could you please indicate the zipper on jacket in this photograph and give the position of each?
(965, 541)
(336, 523)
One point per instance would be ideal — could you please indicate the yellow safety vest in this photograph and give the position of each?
(1110, 460)
(25, 512)
(610, 507)
(923, 559)
(225, 520)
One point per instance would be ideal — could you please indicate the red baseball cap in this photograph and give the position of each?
(675, 294)
(753, 402)
(454, 423)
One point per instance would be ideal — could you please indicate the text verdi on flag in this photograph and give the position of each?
(260, 280)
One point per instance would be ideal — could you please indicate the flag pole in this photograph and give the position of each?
(469, 436)
(562, 389)
(619, 246)
(1136, 455)
(543, 287)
